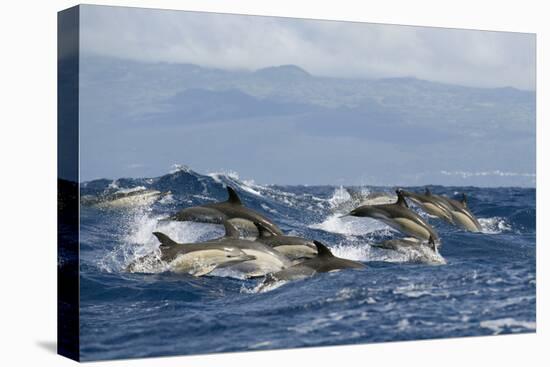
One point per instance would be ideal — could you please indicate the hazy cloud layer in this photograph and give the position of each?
(325, 48)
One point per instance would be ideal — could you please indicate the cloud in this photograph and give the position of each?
(326, 48)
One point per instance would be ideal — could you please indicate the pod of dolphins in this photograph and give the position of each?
(278, 257)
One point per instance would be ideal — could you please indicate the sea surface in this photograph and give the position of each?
(478, 284)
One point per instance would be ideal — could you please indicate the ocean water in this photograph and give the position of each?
(479, 284)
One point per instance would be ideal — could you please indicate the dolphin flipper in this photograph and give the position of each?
(264, 231)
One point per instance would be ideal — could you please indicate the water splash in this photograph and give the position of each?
(494, 225)
(350, 226)
(139, 240)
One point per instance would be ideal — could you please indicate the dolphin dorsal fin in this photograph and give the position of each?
(231, 230)
(427, 192)
(164, 239)
(322, 250)
(263, 231)
(401, 199)
(233, 197)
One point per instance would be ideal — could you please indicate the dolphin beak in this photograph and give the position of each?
(166, 219)
(249, 258)
(345, 215)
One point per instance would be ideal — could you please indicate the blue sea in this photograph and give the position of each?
(479, 284)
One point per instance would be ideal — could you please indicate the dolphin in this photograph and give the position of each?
(357, 198)
(217, 213)
(462, 216)
(266, 259)
(397, 244)
(414, 249)
(324, 262)
(292, 246)
(197, 259)
(399, 216)
(430, 204)
(124, 198)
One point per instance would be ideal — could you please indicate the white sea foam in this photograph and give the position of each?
(141, 228)
(131, 189)
(167, 199)
(466, 174)
(179, 167)
(268, 209)
(403, 324)
(260, 344)
(494, 225)
(420, 254)
(232, 177)
(499, 325)
(349, 225)
(413, 291)
(260, 287)
(357, 252)
(317, 323)
(340, 196)
(362, 251)
(113, 185)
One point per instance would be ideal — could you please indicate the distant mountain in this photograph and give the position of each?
(198, 105)
(389, 129)
(286, 72)
(139, 88)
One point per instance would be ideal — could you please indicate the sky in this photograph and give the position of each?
(323, 48)
(273, 148)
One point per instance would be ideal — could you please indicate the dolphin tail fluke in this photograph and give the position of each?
(264, 231)
(401, 199)
(464, 200)
(233, 196)
(322, 250)
(164, 239)
(432, 243)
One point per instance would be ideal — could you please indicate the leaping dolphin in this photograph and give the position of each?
(414, 249)
(292, 246)
(266, 259)
(462, 216)
(324, 262)
(196, 259)
(399, 216)
(217, 213)
(430, 204)
(123, 198)
(397, 244)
